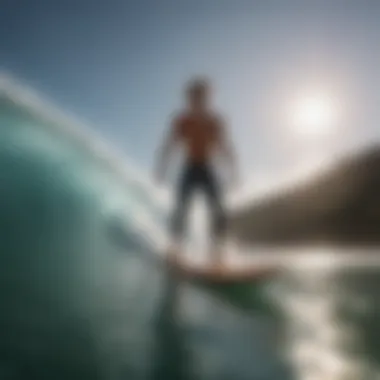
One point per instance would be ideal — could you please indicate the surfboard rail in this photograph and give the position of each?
(223, 274)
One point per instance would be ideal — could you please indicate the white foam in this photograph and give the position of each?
(43, 108)
(116, 162)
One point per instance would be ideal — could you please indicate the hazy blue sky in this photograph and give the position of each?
(121, 64)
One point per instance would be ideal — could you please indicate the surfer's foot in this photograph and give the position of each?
(217, 264)
(173, 254)
(217, 258)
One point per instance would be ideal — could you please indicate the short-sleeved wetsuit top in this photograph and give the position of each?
(200, 135)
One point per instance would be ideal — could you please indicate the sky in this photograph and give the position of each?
(121, 65)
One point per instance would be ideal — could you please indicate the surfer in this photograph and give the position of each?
(203, 135)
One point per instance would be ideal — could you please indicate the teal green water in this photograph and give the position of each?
(78, 303)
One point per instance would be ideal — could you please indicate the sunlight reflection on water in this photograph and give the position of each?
(322, 342)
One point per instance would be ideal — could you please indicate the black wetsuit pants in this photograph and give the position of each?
(198, 177)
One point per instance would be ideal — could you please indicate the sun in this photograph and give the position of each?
(314, 115)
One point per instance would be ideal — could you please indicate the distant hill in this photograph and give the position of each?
(341, 205)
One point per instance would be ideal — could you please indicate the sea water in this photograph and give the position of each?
(81, 298)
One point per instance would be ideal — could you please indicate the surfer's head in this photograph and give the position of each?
(198, 92)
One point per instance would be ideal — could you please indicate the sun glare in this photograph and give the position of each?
(314, 115)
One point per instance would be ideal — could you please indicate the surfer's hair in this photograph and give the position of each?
(198, 86)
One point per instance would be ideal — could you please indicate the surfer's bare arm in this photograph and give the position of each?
(165, 151)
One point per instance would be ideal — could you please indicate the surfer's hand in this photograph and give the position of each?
(159, 177)
(234, 181)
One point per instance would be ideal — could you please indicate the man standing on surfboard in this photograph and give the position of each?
(202, 133)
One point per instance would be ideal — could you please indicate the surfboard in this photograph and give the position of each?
(241, 287)
(223, 275)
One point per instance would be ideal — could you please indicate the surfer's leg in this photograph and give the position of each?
(184, 190)
(214, 197)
